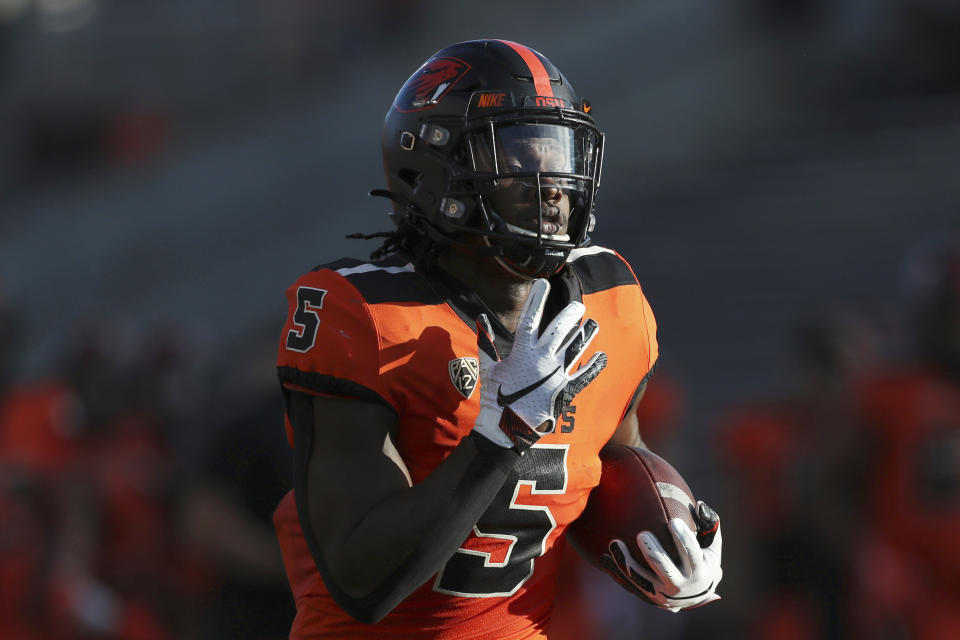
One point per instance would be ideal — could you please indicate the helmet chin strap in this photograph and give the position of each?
(504, 261)
(506, 267)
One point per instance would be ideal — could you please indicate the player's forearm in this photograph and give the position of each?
(406, 537)
(393, 530)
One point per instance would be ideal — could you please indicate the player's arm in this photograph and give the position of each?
(628, 431)
(374, 537)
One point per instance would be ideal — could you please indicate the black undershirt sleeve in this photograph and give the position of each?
(470, 498)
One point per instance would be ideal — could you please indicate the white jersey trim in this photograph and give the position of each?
(576, 254)
(366, 268)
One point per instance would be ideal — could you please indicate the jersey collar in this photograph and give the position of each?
(565, 288)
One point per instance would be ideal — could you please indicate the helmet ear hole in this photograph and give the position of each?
(411, 177)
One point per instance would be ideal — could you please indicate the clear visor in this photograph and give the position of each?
(541, 176)
(529, 149)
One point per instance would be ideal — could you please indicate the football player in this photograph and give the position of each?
(447, 400)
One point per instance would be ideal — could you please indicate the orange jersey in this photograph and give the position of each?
(385, 333)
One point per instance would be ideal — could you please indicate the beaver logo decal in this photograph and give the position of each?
(428, 85)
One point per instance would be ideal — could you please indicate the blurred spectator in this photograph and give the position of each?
(37, 422)
(105, 535)
(226, 515)
(27, 513)
(96, 474)
(908, 564)
(796, 471)
(115, 555)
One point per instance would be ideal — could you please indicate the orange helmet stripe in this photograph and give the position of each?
(540, 78)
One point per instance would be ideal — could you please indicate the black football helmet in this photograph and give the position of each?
(478, 116)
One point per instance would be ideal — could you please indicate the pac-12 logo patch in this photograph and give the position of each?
(430, 83)
(464, 373)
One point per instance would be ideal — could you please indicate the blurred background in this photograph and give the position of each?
(784, 175)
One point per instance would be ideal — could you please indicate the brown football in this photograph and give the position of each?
(638, 491)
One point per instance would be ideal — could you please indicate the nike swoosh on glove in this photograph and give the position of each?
(692, 584)
(522, 396)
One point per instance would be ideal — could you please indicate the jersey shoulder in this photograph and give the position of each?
(330, 343)
(599, 269)
(611, 291)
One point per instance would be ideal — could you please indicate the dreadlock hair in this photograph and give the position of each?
(407, 239)
(392, 244)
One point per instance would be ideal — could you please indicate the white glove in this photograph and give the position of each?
(522, 396)
(667, 586)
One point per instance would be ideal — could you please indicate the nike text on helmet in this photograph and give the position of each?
(479, 116)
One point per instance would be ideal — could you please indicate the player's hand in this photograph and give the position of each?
(522, 396)
(692, 584)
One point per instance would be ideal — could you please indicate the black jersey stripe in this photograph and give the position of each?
(390, 280)
(601, 270)
(379, 287)
(332, 385)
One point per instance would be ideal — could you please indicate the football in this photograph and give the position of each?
(638, 491)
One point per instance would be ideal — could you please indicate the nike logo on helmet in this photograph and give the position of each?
(510, 398)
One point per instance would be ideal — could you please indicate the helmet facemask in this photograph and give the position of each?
(532, 185)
